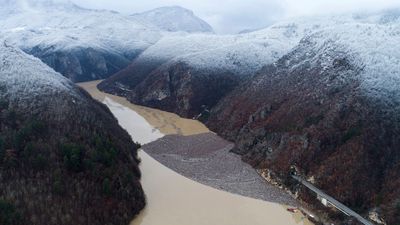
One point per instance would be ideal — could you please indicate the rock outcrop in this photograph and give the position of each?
(183, 90)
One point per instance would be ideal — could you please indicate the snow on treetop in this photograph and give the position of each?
(60, 24)
(373, 47)
(248, 52)
(368, 44)
(241, 54)
(63, 28)
(24, 77)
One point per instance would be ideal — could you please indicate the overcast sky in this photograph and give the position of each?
(230, 16)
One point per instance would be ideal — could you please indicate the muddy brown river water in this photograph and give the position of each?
(173, 199)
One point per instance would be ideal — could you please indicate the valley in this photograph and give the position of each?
(328, 97)
(292, 122)
(192, 202)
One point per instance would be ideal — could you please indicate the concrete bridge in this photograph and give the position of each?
(329, 201)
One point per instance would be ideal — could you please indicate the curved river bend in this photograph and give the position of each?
(173, 199)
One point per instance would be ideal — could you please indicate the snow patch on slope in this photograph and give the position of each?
(26, 77)
(174, 19)
(374, 48)
(247, 53)
(240, 54)
(369, 46)
(59, 24)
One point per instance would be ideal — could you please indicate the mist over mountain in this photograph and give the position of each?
(174, 19)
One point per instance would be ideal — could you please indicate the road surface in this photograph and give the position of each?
(333, 201)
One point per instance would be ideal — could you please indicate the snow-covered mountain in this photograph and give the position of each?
(49, 128)
(17, 74)
(327, 95)
(207, 55)
(145, 80)
(174, 18)
(82, 44)
(332, 100)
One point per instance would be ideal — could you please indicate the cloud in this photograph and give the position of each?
(311, 7)
(230, 16)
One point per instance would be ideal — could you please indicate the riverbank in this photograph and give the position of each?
(206, 158)
(200, 156)
(165, 122)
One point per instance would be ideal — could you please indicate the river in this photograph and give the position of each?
(173, 199)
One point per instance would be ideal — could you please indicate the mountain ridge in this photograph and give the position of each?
(204, 56)
(57, 145)
(82, 44)
(330, 97)
(332, 100)
(174, 19)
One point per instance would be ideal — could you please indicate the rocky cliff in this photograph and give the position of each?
(184, 90)
(83, 64)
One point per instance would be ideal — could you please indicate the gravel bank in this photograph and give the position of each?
(205, 158)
